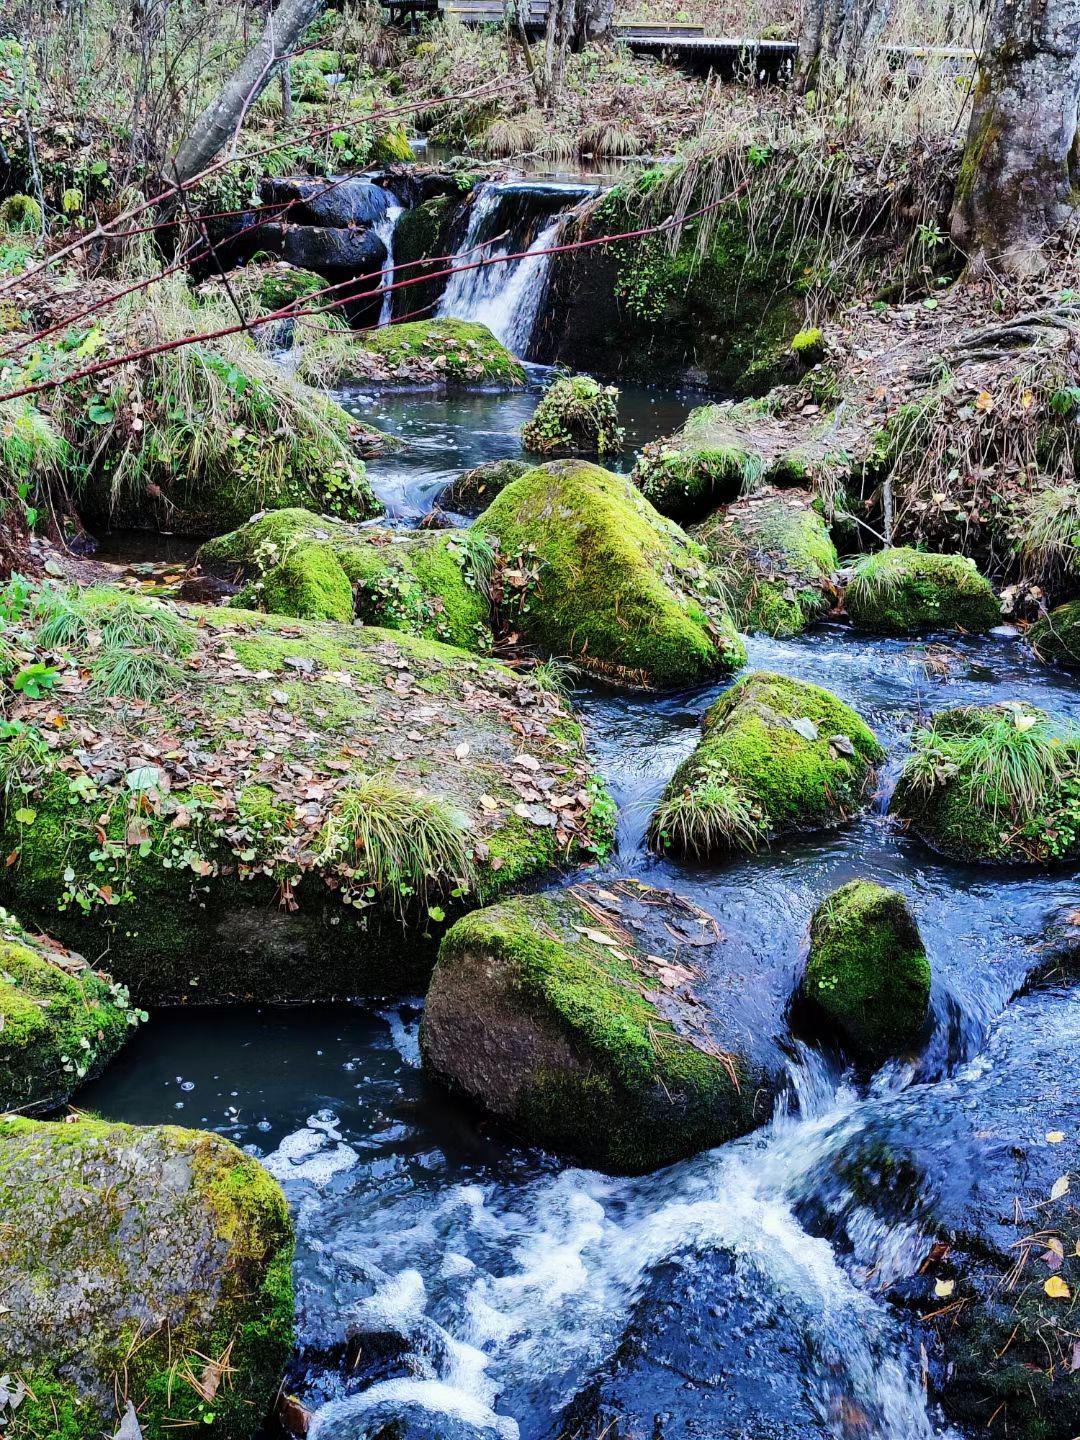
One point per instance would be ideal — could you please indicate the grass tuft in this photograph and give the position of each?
(705, 820)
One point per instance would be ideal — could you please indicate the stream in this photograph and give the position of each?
(454, 1285)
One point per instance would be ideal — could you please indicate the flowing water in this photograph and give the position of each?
(453, 1285)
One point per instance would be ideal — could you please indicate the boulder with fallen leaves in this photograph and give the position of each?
(576, 1016)
(142, 1269)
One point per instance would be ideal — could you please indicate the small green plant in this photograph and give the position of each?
(35, 680)
(135, 675)
(119, 620)
(20, 212)
(576, 416)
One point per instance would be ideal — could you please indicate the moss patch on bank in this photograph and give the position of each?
(778, 756)
(591, 572)
(1055, 637)
(904, 592)
(150, 1265)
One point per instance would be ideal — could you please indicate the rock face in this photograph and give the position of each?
(778, 757)
(1056, 637)
(62, 1021)
(571, 1015)
(475, 488)
(867, 977)
(592, 573)
(287, 808)
(904, 592)
(576, 416)
(996, 784)
(427, 583)
(776, 559)
(150, 1265)
(337, 254)
(343, 202)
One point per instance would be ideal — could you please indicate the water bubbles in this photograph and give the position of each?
(187, 1085)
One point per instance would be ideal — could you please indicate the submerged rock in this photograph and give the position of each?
(994, 783)
(778, 757)
(776, 560)
(576, 416)
(867, 976)
(475, 488)
(240, 804)
(572, 1015)
(591, 572)
(425, 582)
(1055, 637)
(61, 1022)
(143, 1265)
(904, 592)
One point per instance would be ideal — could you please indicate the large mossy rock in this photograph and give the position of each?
(569, 1015)
(290, 807)
(461, 352)
(778, 757)
(577, 415)
(1056, 637)
(150, 1266)
(867, 976)
(775, 557)
(996, 784)
(592, 573)
(905, 592)
(475, 488)
(430, 583)
(61, 1022)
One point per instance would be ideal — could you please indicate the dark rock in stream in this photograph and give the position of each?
(340, 202)
(337, 254)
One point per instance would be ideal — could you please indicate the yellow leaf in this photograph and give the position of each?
(1055, 1137)
(1056, 1288)
(985, 401)
(1056, 1246)
(1059, 1188)
(944, 1288)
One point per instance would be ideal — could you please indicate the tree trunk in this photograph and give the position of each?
(837, 37)
(223, 117)
(1015, 183)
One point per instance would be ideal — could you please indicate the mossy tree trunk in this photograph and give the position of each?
(1015, 187)
(836, 36)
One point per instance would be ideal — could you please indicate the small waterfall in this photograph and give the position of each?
(509, 218)
(384, 229)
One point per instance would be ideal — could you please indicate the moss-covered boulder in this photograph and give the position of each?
(475, 488)
(905, 592)
(576, 416)
(996, 784)
(1055, 637)
(422, 232)
(776, 557)
(867, 977)
(273, 287)
(778, 757)
(149, 1267)
(431, 583)
(61, 1022)
(239, 804)
(570, 1015)
(591, 572)
(461, 352)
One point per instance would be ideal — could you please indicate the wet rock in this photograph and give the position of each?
(206, 589)
(778, 757)
(776, 558)
(993, 784)
(422, 235)
(172, 1236)
(296, 563)
(574, 1016)
(867, 978)
(905, 592)
(337, 254)
(591, 572)
(62, 1022)
(328, 201)
(576, 416)
(225, 849)
(1055, 637)
(475, 488)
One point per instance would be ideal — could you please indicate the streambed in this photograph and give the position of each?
(455, 1286)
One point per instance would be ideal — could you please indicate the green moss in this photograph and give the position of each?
(774, 760)
(163, 1223)
(708, 463)
(576, 416)
(591, 572)
(1056, 637)
(809, 346)
(867, 974)
(608, 1076)
(391, 147)
(422, 232)
(282, 285)
(20, 212)
(62, 1022)
(776, 559)
(462, 351)
(903, 591)
(998, 784)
